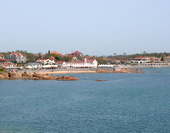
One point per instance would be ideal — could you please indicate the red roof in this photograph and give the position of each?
(6, 64)
(18, 54)
(41, 59)
(60, 62)
(57, 53)
(1, 55)
(140, 57)
(90, 60)
(77, 53)
(4, 60)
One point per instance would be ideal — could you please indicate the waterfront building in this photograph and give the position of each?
(79, 64)
(6, 63)
(46, 62)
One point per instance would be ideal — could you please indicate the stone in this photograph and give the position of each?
(4, 76)
(100, 80)
(14, 75)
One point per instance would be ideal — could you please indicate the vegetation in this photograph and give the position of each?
(2, 69)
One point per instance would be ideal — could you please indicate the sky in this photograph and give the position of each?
(93, 27)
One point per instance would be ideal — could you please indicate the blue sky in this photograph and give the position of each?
(94, 27)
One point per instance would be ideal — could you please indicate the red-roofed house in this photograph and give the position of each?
(141, 60)
(17, 57)
(6, 63)
(77, 53)
(56, 53)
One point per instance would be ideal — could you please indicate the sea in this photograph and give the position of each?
(124, 103)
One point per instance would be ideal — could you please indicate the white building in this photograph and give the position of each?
(46, 61)
(79, 64)
(17, 57)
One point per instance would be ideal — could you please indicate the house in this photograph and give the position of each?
(2, 56)
(167, 58)
(72, 57)
(6, 63)
(79, 64)
(77, 53)
(52, 58)
(46, 61)
(17, 57)
(155, 60)
(56, 53)
(141, 60)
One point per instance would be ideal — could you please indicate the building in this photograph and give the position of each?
(2, 56)
(77, 53)
(72, 57)
(46, 61)
(141, 60)
(149, 62)
(56, 53)
(6, 63)
(33, 65)
(17, 57)
(167, 58)
(79, 64)
(155, 60)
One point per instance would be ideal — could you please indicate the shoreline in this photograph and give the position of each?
(65, 72)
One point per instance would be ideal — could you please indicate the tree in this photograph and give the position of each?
(162, 58)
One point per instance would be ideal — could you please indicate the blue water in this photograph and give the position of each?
(124, 103)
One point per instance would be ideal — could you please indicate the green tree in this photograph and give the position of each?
(162, 58)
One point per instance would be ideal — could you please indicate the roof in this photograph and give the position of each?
(140, 57)
(76, 53)
(52, 58)
(90, 60)
(18, 54)
(70, 56)
(1, 55)
(4, 60)
(6, 64)
(60, 62)
(55, 52)
(75, 62)
(41, 60)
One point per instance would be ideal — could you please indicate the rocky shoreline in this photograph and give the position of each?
(34, 76)
(46, 76)
(124, 70)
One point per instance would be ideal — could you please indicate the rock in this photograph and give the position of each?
(35, 74)
(66, 78)
(4, 76)
(126, 70)
(100, 80)
(26, 75)
(14, 75)
(48, 77)
(103, 71)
